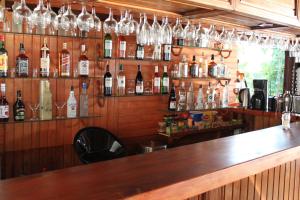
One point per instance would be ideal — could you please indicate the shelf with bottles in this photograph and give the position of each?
(201, 78)
(52, 78)
(203, 109)
(132, 58)
(133, 95)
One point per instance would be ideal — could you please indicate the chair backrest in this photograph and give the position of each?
(93, 144)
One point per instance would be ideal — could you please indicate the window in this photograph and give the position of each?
(261, 63)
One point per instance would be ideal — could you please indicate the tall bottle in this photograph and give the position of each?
(72, 105)
(157, 52)
(222, 68)
(139, 52)
(194, 68)
(139, 82)
(181, 106)
(225, 96)
(64, 62)
(45, 60)
(108, 82)
(172, 99)
(4, 106)
(212, 67)
(210, 96)
(3, 58)
(22, 63)
(167, 52)
(201, 67)
(156, 85)
(45, 100)
(19, 108)
(286, 114)
(84, 102)
(190, 104)
(108, 46)
(121, 81)
(83, 64)
(122, 46)
(183, 68)
(165, 81)
(200, 102)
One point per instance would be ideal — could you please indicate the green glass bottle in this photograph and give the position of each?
(107, 46)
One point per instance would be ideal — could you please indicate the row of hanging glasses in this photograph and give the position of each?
(182, 34)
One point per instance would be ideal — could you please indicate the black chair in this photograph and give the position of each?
(93, 144)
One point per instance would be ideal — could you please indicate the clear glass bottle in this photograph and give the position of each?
(225, 95)
(45, 100)
(84, 102)
(194, 69)
(122, 46)
(72, 105)
(4, 106)
(3, 58)
(64, 62)
(210, 96)
(121, 81)
(190, 98)
(181, 106)
(200, 102)
(183, 67)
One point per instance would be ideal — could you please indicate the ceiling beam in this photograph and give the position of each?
(200, 13)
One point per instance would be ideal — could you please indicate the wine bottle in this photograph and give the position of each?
(45, 60)
(83, 64)
(194, 68)
(107, 82)
(45, 101)
(156, 85)
(4, 106)
(71, 104)
(172, 99)
(22, 63)
(182, 98)
(167, 52)
(139, 52)
(84, 102)
(165, 81)
(139, 83)
(157, 52)
(107, 46)
(121, 81)
(3, 58)
(19, 108)
(64, 62)
(122, 46)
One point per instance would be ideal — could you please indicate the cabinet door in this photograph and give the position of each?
(216, 4)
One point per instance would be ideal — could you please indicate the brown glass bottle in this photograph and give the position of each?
(3, 58)
(83, 64)
(64, 62)
(19, 108)
(4, 106)
(22, 63)
(212, 67)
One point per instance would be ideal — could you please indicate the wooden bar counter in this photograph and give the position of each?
(256, 165)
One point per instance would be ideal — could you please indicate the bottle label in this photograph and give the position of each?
(121, 82)
(20, 114)
(122, 45)
(22, 66)
(167, 49)
(65, 65)
(165, 82)
(4, 111)
(108, 82)
(210, 98)
(140, 53)
(172, 104)
(45, 66)
(157, 82)
(139, 88)
(71, 112)
(3, 62)
(108, 44)
(84, 67)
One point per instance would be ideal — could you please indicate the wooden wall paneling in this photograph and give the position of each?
(297, 177)
(236, 190)
(257, 186)
(270, 184)
(276, 183)
(244, 189)
(264, 184)
(281, 181)
(228, 191)
(287, 181)
(292, 180)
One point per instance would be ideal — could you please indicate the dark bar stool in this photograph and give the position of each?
(93, 144)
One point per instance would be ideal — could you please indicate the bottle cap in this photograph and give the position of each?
(72, 88)
(212, 56)
(21, 46)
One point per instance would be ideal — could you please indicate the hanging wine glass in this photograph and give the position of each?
(166, 32)
(190, 34)
(51, 15)
(145, 33)
(119, 26)
(156, 32)
(84, 20)
(201, 36)
(261, 40)
(61, 22)
(138, 30)
(178, 33)
(125, 23)
(243, 39)
(234, 37)
(213, 35)
(109, 25)
(96, 19)
(22, 13)
(253, 40)
(71, 20)
(39, 15)
(133, 25)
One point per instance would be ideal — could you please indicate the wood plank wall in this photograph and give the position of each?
(278, 183)
(126, 117)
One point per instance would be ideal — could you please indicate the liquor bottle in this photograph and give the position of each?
(107, 82)
(45, 100)
(200, 103)
(167, 52)
(201, 67)
(122, 46)
(71, 105)
(19, 108)
(212, 67)
(22, 63)
(172, 99)
(84, 102)
(107, 46)
(4, 106)
(190, 104)
(210, 96)
(165, 81)
(83, 64)
(121, 81)
(225, 95)
(157, 52)
(64, 62)
(194, 68)
(182, 98)
(139, 82)
(183, 68)
(221, 68)
(45, 60)
(3, 58)
(139, 52)
(156, 85)
(217, 97)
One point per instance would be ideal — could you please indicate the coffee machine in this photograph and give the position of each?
(259, 100)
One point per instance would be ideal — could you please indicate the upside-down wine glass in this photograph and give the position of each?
(97, 21)
(51, 15)
(133, 25)
(85, 20)
(109, 25)
(39, 15)
(22, 13)
(190, 34)
(145, 33)
(166, 32)
(61, 23)
(156, 32)
(71, 20)
(178, 33)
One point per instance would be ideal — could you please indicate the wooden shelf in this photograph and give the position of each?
(133, 59)
(204, 109)
(202, 78)
(134, 95)
(54, 78)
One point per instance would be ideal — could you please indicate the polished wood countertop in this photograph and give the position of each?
(176, 173)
